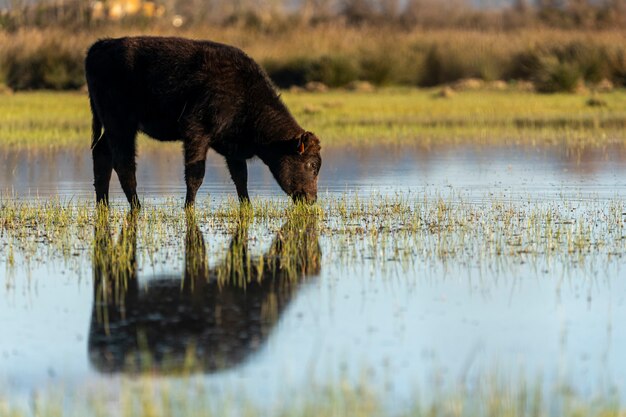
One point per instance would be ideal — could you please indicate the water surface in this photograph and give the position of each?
(475, 171)
(429, 326)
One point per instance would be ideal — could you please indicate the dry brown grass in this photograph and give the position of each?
(383, 56)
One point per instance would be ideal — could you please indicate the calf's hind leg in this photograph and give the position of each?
(195, 163)
(102, 167)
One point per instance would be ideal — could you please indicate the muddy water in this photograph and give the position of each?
(426, 328)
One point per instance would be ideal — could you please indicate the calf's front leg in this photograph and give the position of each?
(195, 162)
(239, 173)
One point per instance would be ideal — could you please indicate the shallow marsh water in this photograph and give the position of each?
(424, 321)
(476, 171)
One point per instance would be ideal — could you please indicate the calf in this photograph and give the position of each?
(208, 95)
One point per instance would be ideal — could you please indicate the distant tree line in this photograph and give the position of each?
(276, 14)
(547, 45)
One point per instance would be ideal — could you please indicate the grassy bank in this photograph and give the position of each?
(45, 120)
(552, 59)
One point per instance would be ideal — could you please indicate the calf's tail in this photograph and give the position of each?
(96, 125)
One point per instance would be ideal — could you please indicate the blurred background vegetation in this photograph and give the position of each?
(542, 45)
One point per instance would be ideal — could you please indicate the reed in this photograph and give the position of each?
(336, 54)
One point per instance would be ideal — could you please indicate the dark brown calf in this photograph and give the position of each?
(204, 93)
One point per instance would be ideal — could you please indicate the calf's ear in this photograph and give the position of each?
(303, 142)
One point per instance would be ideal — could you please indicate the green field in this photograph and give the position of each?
(46, 120)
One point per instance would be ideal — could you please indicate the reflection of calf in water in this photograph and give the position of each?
(210, 319)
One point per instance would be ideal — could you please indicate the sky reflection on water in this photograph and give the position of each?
(475, 171)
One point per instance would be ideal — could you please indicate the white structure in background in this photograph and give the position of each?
(117, 9)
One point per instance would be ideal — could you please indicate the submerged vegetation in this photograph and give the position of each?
(216, 254)
(150, 397)
(265, 250)
(401, 231)
(44, 120)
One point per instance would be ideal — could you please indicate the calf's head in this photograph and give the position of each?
(295, 164)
